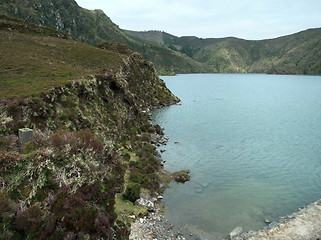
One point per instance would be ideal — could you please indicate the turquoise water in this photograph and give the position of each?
(252, 143)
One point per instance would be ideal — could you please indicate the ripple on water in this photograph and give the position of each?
(253, 155)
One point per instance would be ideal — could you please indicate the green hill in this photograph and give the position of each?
(299, 53)
(93, 27)
(91, 154)
(294, 54)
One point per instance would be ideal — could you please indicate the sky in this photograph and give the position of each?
(247, 19)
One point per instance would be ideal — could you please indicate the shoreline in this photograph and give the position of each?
(156, 226)
(304, 224)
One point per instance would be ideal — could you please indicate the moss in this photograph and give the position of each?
(28, 148)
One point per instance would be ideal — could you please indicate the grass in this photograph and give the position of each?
(32, 63)
(127, 207)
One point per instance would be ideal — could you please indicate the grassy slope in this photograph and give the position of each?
(93, 27)
(31, 62)
(91, 136)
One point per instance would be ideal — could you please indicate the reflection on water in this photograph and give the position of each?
(252, 143)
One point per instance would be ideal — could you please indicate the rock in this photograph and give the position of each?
(236, 231)
(267, 221)
(162, 150)
(181, 176)
(153, 139)
(157, 154)
(146, 203)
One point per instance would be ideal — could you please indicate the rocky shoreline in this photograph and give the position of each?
(156, 226)
(305, 224)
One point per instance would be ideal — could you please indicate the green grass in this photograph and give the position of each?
(32, 63)
(125, 206)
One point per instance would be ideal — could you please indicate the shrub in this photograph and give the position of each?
(132, 192)
(4, 203)
(84, 140)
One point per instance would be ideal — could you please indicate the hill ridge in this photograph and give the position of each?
(297, 53)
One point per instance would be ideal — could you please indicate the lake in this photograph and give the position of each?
(252, 143)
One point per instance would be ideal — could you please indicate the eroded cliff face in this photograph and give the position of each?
(91, 141)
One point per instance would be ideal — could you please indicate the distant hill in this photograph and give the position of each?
(299, 53)
(93, 27)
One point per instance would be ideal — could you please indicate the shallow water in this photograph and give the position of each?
(252, 143)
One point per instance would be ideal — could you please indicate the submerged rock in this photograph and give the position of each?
(236, 231)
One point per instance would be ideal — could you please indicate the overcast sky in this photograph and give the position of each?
(247, 19)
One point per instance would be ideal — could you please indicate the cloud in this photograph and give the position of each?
(249, 19)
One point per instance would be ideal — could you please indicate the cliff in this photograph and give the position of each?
(91, 151)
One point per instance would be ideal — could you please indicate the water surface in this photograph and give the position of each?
(252, 143)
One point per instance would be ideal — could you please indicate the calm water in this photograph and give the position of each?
(252, 143)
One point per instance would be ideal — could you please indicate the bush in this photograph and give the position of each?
(132, 192)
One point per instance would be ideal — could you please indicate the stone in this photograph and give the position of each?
(181, 176)
(153, 139)
(25, 136)
(235, 232)
(267, 221)
(146, 203)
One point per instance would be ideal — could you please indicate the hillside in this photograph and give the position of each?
(299, 53)
(93, 27)
(91, 154)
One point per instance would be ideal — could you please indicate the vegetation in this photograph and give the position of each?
(36, 58)
(299, 53)
(295, 54)
(91, 136)
(93, 27)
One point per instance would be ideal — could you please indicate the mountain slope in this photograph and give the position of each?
(91, 153)
(93, 27)
(299, 53)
